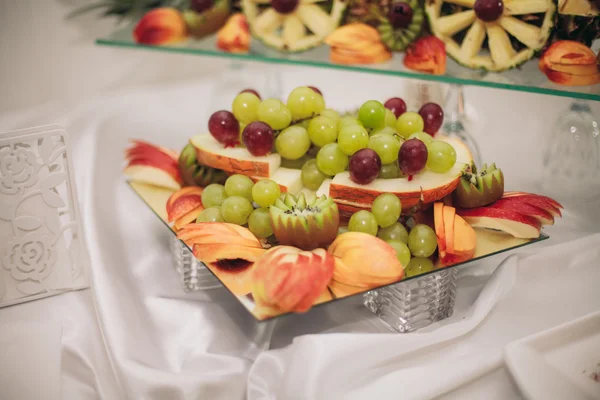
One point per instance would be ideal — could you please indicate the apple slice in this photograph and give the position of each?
(232, 264)
(514, 204)
(427, 186)
(152, 176)
(154, 165)
(289, 180)
(187, 218)
(438, 218)
(537, 201)
(547, 199)
(235, 160)
(465, 239)
(509, 221)
(448, 213)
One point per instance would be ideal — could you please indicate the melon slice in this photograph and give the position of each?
(289, 180)
(234, 160)
(427, 186)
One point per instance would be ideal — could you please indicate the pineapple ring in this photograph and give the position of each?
(502, 55)
(304, 28)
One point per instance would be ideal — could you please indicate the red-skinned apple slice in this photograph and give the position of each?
(183, 205)
(218, 232)
(514, 204)
(153, 165)
(232, 264)
(512, 222)
(547, 199)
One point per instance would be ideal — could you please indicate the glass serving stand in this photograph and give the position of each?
(526, 78)
(405, 306)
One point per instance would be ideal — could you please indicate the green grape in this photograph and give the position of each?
(363, 221)
(275, 114)
(396, 231)
(389, 171)
(259, 223)
(312, 177)
(239, 185)
(331, 160)
(265, 192)
(332, 115)
(236, 210)
(242, 126)
(213, 195)
(390, 119)
(304, 102)
(422, 241)
(418, 266)
(295, 164)
(322, 131)
(409, 123)
(372, 114)
(353, 138)
(386, 208)
(402, 251)
(441, 156)
(210, 214)
(423, 137)
(245, 107)
(292, 143)
(386, 147)
(348, 121)
(304, 123)
(386, 130)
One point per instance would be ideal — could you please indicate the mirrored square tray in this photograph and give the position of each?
(405, 305)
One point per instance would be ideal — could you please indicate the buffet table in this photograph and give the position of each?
(136, 334)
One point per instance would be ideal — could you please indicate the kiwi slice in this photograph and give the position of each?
(398, 39)
(305, 224)
(479, 189)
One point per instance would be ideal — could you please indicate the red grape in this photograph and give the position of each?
(400, 15)
(258, 138)
(315, 89)
(412, 157)
(364, 166)
(201, 5)
(489, 10)
(433, 117)
(254, 92)
(284, 6)
(225, 128)
(396, 105)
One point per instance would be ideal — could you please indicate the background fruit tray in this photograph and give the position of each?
(489, 243)
(540, 46)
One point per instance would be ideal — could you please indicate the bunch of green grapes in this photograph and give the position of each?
(413, 248)
(240, 201)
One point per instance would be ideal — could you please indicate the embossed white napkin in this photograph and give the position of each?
(42, 250)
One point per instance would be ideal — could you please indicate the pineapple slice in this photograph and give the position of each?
(511, 39)
(303, 28)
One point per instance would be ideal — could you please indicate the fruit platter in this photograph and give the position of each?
(544, 46)
(293, 204)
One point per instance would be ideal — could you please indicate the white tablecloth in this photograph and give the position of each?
(137, 335)
(153, 341)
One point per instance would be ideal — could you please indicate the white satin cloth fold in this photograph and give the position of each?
(153, 341)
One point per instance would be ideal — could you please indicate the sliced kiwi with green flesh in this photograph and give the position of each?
(398, 39)
(209, 21)
(196, 174)
(303, 224)
(479, 189)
